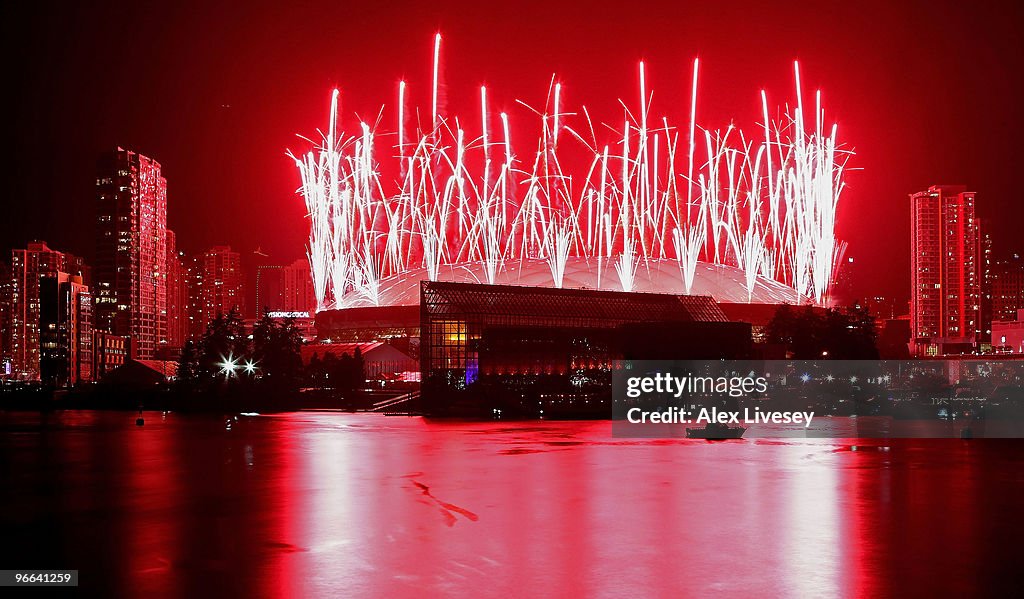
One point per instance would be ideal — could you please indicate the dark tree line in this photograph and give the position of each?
(810, 333)
(345, 373)
(270, 358)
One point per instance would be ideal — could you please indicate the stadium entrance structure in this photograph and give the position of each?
(521, 350)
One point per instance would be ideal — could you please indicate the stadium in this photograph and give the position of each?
(725, 284)
(648, 208)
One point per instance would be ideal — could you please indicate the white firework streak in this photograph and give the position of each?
(767, 208)
(558, 250)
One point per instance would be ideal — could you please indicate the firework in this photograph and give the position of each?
(465, 197)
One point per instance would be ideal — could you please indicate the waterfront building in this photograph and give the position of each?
(28, 267)
(131, 250)
(216, 286)
(946, 271)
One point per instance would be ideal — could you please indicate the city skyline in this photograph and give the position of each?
(231, 182)
(472, 299)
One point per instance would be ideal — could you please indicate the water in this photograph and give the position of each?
(360, 505)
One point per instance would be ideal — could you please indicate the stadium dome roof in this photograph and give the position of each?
(726, 284)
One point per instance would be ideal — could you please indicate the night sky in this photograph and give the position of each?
(925, 92)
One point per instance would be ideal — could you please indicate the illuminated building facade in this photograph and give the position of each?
(5, 319)
(285, 289)
(987, 266)
(131, 250)
(28, 267)
(946, 271)
(65, 330)
(109, 352)
(177, 297)
(1007, 284)
(216, 286)
(484, 343)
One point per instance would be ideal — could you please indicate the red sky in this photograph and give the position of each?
(925, 92)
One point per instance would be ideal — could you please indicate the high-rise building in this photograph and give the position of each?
(65, 330)
(131, 250)
(946, 271)
(254, 261)
(177, 297)
(216, 286)
(28, 266)
(987, 265)
(1007, 289)
(5, 320)
(285, 289)
(194, 289)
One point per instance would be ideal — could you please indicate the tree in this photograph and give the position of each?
(315, 371)
(329, 367)
(276, 350)
(188, 365)
(343, 374)
(852, 334)
(814, 334)
(358, 368)
(224, 340)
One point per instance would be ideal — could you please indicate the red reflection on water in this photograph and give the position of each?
(315, 504)
(150, 524)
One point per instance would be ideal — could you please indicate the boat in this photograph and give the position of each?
(715, 431)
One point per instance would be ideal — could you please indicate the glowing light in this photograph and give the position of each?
(250, 367)
(228, 366)
(766, 207)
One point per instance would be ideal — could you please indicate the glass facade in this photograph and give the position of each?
(455, 318)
